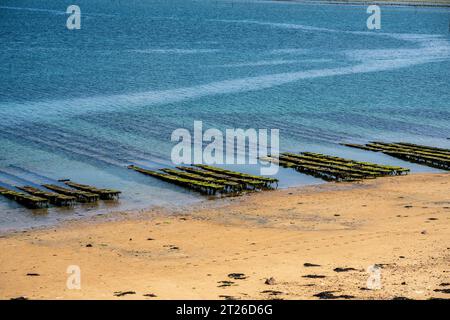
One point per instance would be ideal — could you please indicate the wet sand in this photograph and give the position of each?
(315, 242)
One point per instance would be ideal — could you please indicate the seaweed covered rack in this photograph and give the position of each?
(104, 194)
(81, 196)
(39, 196)
(27, 200)
(210, 180)
(53, 197)
(426, 155)
(331, 168)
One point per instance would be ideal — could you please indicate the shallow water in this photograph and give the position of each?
(83, 104)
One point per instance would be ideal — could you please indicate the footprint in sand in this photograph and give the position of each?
(314, 276)
(343, 269)
(447, 291)
(237, 276)
(330, 295)
(123, 293)
(307, 264)
(272, 292)
(19, 298)
(228, 297)
(226, 283)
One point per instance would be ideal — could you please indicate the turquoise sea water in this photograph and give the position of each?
(83, 104)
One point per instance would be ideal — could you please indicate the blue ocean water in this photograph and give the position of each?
(82, 104)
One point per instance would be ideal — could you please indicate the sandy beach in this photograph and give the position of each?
(314, 242)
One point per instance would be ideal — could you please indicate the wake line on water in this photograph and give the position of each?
(432, 48)
(401, 36)
(275, 62)
(175, 51)
(110, 103)
(56, 12)
(435, 44)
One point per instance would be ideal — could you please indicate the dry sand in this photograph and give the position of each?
(401, 223)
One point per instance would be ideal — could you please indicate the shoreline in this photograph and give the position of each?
(116, 214)
(399, 223)
(407, 3)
